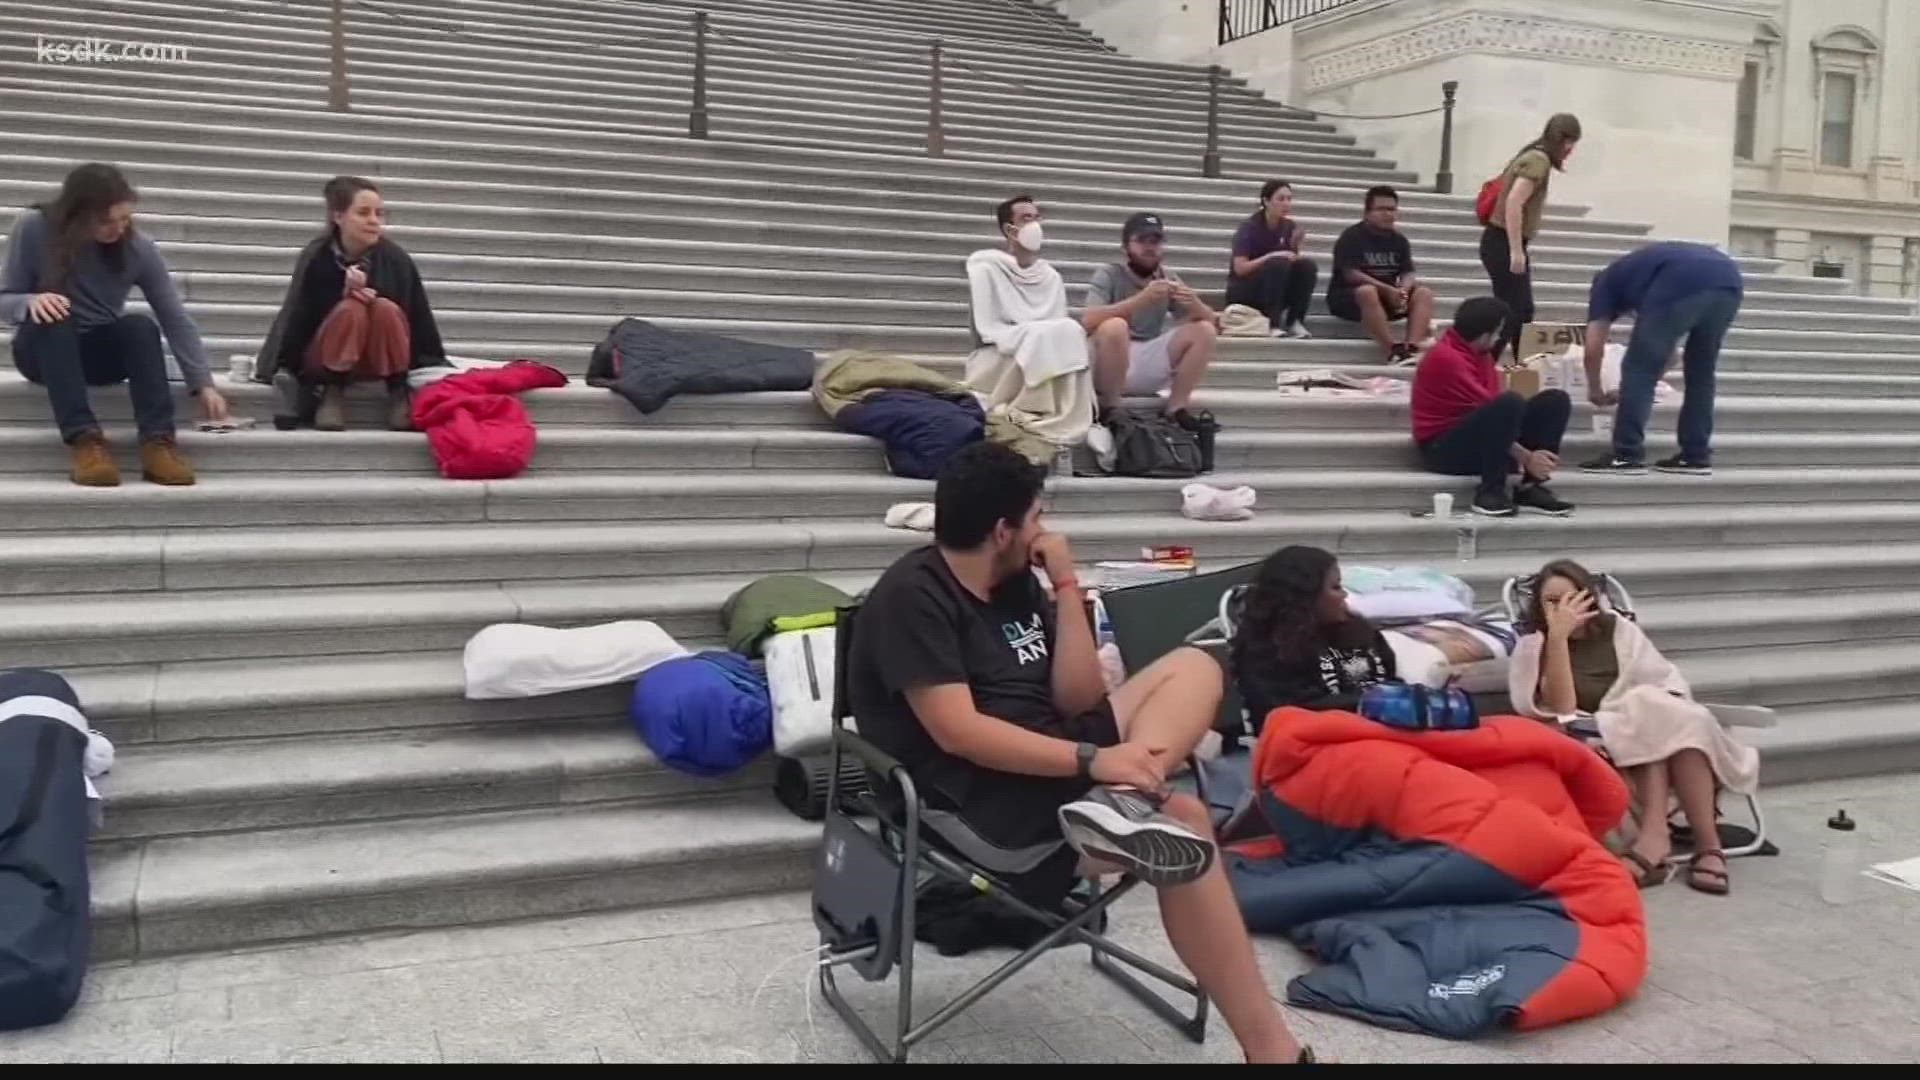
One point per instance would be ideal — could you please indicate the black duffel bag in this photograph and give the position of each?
(1154, 445)
(44, 820)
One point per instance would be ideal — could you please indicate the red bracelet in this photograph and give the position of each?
(1063, 586)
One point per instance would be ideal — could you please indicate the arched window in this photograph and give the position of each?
(1845, 64)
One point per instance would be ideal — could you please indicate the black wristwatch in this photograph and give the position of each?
(1083, 757)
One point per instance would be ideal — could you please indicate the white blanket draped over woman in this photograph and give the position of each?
(1648, 714)
(1033, 367)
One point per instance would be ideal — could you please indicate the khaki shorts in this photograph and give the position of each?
(1150, 364)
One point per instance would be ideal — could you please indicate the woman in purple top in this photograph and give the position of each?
(1268, 271)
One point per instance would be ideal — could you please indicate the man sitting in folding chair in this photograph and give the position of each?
(1585, 657)
(989, 695)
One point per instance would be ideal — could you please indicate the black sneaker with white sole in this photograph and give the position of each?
(1609, 465)
(1540, 499)
(1494, 504)
(1682, 465)
(1123, 827)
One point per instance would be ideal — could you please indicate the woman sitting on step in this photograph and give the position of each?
(1299, 644)
(1581, 658)
(70, 265)
(355, 311)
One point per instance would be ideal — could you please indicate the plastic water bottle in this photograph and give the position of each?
(1466, 540)
(1840, 861)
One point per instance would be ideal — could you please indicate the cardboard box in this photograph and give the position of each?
(1537, 338)
(1525, 381)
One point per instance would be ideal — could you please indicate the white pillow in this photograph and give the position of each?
(514, 660)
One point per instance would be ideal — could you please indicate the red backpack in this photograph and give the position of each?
(1489, 198)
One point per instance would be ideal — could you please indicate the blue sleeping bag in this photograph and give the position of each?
(44, 889)
(921, 430)
(707, 714)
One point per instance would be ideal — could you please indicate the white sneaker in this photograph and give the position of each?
(1298, 331)
(1122, 827)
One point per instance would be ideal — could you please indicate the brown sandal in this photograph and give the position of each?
(1711, 882)
(1645, 874)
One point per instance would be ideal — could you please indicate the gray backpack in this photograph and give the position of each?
(1152, 445)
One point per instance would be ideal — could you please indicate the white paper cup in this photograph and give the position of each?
(240, 367)
(1442, 505)
(1603, 423)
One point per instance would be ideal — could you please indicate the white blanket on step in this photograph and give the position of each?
(1033, 366)
(514, 660)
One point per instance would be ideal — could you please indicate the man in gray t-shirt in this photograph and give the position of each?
(1130, 306)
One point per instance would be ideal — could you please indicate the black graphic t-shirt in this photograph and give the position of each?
(1383, 256)
(1332, 679)
(920, 627)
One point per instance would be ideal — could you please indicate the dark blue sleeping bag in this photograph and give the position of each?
(921, 430)
(707, 714)
(44, 819)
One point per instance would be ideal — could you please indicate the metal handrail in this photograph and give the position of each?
(1245, 18)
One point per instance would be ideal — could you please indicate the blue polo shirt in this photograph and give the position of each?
(1658, 276)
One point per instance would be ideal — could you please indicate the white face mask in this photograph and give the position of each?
(1030, 236)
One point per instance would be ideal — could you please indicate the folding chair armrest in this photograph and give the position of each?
(875, 758)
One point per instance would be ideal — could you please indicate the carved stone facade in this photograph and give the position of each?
(1539, 36)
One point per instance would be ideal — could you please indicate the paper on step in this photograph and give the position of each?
(1905, 873)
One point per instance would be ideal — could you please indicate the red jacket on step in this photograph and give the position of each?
(475, 427)
(1451, 382)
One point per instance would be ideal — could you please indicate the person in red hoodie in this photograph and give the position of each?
(1465, 425)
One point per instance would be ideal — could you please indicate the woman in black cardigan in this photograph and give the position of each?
(355, 311)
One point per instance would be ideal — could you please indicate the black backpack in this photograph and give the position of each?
(44, 892)
(1153, 445)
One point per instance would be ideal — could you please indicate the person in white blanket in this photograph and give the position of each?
(1582, 659)
(1030, 363)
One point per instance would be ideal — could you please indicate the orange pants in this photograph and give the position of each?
(360, 342)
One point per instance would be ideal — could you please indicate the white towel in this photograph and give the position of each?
(1034, 367)
(514, 660)
(915, 516)
(1204, 502)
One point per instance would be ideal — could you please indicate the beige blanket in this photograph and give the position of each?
(1032, 368)
(1649, 715)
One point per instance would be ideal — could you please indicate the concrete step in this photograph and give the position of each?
(1854, 738)
(692, 217)
(685, 168)
(1246, 411)
(195, 788)
(1777, 601)
(219, 119)
(218, 892)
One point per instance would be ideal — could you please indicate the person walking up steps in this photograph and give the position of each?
(1266, 271)
(69, 266)
(1676, 291)
(1517, 213)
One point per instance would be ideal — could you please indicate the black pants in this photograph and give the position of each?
(1282, 290)
(66, 360)
(1481, 444)
(1516, 290)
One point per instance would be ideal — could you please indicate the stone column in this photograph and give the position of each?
(1653, 82)
(1886, 265)
(1791, 246)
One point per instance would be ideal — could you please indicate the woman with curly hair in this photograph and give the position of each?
(1299, 644)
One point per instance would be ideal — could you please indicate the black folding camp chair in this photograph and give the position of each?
(1150, 621)
(869, 877)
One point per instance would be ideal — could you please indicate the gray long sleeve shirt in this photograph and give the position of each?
(98, 290)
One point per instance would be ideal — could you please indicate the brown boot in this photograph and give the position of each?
(93, 462)
(161, 463)
(399, 408)
(332, 414)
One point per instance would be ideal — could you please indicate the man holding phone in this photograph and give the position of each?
(1128, 306)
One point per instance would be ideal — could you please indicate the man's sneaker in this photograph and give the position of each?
(1540, 499)
(1610, 465)
(1122, 827)
(1298, 331)
(1494, 504)
(1682, 465)
(1402, 356)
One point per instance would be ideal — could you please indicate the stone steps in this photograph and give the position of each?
(278, 650)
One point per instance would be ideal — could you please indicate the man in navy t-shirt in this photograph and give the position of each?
(1675, 290)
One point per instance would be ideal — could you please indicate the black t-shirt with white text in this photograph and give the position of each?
(919, 627)
(1383, 256)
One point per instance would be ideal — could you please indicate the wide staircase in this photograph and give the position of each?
(277, 651)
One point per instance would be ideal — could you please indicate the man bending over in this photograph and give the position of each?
(989, 693)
